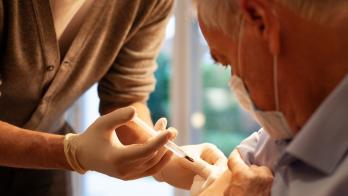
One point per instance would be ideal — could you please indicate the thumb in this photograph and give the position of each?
(161, 124)
(199, 166)
(137, 151)
(235, 162)
(197, 185)
(117, 118)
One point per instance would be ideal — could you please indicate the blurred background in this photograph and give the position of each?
(191, 91)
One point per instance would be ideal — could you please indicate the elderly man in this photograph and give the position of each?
(289, 70)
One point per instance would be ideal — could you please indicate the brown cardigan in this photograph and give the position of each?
(116, 46)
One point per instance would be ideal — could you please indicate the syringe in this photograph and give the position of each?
(169, 145)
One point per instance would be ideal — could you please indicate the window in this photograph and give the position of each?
(226, 122)
(94, 183)
(191, 92)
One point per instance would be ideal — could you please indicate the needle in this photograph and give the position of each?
(169, 145)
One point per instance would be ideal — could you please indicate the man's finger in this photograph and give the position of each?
(263, 171)
(235, 162)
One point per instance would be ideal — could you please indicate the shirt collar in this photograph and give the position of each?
(323, 141)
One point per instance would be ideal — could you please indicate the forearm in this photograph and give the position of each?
(128, 134)
(143, 112)
(30, 149)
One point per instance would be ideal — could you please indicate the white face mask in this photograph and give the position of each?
(273, 122)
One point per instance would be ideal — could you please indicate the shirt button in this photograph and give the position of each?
(50, 67)
(0, 84)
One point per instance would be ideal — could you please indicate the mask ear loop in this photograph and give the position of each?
(275, 81)
(275, 77)
(240, 36)
(275, 66)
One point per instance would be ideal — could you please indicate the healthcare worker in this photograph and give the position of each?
(51, 52)
(289, 70)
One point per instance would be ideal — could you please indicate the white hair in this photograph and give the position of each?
(225, 15)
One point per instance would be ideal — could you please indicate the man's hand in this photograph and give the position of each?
(239, 180)
(99, 149)
(248, 180)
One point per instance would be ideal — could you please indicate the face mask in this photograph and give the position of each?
(274, 122)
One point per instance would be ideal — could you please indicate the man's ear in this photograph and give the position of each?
(262, 14)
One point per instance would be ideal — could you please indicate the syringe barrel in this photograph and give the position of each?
(175, 149)
(169, 145)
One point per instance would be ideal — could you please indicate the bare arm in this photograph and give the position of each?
(97, 149)
(129, 134)
(31, 149)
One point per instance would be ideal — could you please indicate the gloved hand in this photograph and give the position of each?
(215, 185)
(99, 149)
(180, 172)
(213, 173)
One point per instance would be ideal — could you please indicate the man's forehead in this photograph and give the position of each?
(213, 56)
(216, 40)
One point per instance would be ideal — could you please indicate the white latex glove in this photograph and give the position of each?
(180, 172)
(212, 186)
(212, 173)
(99, 149)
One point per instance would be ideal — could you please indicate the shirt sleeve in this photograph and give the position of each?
(248, 146)
(2, 17)
(260, 149)
(131, 78)
(1, 33)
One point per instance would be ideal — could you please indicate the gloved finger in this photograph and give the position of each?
(137, 151)
(199, 166)
(236, 163)
(117, 118)
(197, 185)
(161, 124)
(147, 171)
(152, 162)
(173, 132)
(213, 155)
(160, 164)
(148, 160)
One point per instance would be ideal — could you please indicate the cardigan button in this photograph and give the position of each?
(50, 67)
(0, 84)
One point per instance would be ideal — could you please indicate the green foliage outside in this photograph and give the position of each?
(225, 126)
(159, 99)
